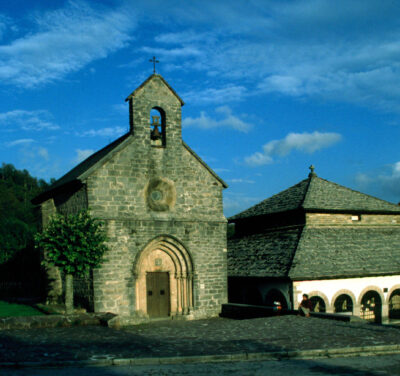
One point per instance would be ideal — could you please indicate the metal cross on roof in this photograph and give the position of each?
(312, 173)
(154, 61)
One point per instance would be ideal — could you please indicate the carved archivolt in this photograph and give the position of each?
(166, 254)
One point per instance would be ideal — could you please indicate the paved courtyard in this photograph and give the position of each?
(190, 338)
(359, 366)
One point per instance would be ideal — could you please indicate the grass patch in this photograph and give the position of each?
(14, 309)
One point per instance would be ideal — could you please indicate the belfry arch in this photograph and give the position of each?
(164, 257)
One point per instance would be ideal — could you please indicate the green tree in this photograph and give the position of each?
(75, 244)
(18, 222)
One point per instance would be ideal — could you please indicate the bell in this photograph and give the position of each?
(155, 134)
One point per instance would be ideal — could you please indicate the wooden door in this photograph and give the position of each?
(157, 286)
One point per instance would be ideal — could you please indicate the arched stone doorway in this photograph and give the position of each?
(371, 307)
(164, 279)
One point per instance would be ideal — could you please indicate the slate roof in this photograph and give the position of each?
(337, 252)
(268, 254)
(316, 194)
(306, 252)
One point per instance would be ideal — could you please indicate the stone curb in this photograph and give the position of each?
(279, 355)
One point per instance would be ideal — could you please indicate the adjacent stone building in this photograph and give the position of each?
(162, 208)
(339, 246)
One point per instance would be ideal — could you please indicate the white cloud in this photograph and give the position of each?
(103, 132)
(258, 159)
(228, 121)
(234, 203)
(303, 142)
(27, 120)
(284, 84)
(184, 37)
(22, 141)
(307, 48)
(245, 181)
(396, 169)
(64, 41)
(3, 25)
(229, 93)
(82, 154)
(173, 52)
(33, 155)
(43, 153)
(385, 183)
(40, 163)
(121, 108)
(221, 170)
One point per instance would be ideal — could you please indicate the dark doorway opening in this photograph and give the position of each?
(343, 303)
(371, 307)
(394, 305)
(318, 304)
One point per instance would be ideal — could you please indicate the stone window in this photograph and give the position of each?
(157, 127)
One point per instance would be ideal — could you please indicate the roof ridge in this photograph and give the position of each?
(291, 206)
(147, 80)
(93, 156)
(307, 191)
(295, 249)
(74, 174)
(361, 193)
(356, 192)
(210, 170)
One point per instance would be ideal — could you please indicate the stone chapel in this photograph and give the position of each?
(162, 210)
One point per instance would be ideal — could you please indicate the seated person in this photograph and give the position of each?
(305, 306)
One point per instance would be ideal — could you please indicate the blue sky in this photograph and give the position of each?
(270, 87)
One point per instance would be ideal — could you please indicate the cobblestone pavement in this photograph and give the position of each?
(188, 338)
(358, 366)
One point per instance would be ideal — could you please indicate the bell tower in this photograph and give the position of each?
(155, 114)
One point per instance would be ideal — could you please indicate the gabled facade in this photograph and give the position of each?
(162, 206)
(339, 246)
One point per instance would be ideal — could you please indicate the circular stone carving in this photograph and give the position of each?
(160, 194)
(156, 195)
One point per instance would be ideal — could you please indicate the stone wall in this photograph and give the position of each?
(71, 202)
(115, 283)
(47, 209)
(119, 193)
(352, 219)
(146, 192)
